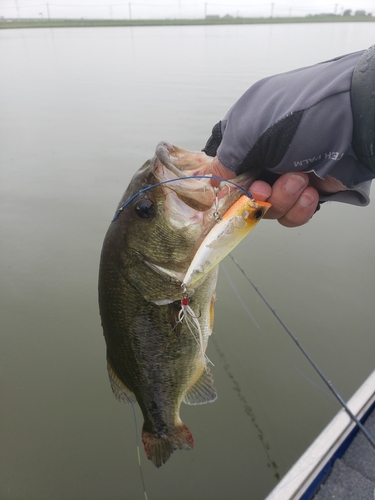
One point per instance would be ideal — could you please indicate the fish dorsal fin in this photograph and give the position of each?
(120, 391)
(203, 391)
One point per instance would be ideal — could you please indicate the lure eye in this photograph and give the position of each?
(145, 208)
(258, 214)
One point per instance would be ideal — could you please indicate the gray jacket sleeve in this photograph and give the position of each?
(297, 121)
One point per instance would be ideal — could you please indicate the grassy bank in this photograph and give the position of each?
(75, 23)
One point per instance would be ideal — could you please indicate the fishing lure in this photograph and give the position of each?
(230, 230)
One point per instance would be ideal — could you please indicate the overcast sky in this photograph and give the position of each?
(148, 9)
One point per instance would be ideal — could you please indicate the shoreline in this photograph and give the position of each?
(91, 23)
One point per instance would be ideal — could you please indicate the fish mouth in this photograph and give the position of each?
(188, 203)
(186, 173)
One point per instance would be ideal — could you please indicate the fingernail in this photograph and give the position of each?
(294, 184)
(306, 200)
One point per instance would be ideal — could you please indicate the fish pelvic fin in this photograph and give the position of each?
(203, 391)
(159, 448)
(119, 389)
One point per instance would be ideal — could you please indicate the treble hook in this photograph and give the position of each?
(216, 214)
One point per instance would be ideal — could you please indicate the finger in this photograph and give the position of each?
(327, 185)
(292, 205)
(285, 192)
(260, 190)
(302, 211)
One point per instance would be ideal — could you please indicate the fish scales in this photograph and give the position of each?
(155, 347)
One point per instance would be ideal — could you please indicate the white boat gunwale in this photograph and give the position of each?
(309, 472)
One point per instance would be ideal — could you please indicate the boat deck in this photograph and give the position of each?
(353, 475)
(340, 463)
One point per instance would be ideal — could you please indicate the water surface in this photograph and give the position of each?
(81, 110)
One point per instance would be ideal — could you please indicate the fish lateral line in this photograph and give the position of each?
(214, 177)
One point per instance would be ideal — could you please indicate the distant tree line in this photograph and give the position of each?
(348, 12)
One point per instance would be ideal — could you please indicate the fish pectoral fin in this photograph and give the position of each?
(203, 391)
(120, 391)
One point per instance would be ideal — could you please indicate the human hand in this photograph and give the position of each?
(293, 200)
(294, 196)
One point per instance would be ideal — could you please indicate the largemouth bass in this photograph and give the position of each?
(157, 318)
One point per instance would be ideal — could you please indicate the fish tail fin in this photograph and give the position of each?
(160, 448)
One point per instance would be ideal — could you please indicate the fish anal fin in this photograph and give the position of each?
(203, 391)
(119, 389)
(159, 448)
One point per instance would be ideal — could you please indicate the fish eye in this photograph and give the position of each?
(144, 208)
(258, 214)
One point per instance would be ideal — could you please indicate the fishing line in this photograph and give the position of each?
(138, 450)
(307, 356)
(136, 439)
(238, 295)
(249, 195)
